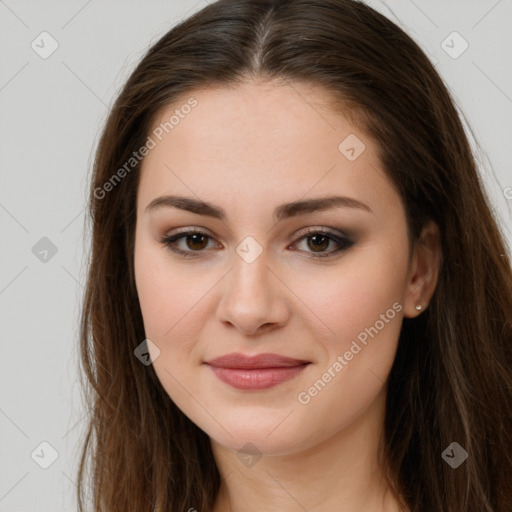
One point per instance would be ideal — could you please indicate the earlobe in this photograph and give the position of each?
(425, 268)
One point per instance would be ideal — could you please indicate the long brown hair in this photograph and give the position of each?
(451, 380)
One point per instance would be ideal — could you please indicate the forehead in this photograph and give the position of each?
(258, 140)
(260, 109)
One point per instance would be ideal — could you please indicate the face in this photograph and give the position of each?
(321, 283)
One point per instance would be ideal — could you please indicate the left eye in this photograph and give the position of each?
(317, 240)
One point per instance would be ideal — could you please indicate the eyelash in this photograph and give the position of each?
(343, 242)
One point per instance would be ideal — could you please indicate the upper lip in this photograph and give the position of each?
(237, 360)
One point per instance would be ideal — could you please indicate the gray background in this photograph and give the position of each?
(51, 113)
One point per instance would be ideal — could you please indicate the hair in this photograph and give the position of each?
(451, 378)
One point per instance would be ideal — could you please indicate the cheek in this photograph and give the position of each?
(358, 361)
(155, 292)
(353, 295)
(174, 306)
(360, 302)
(165, 294)
(165, 297)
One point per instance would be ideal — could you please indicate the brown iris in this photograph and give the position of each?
(316, 241)
(199, 241)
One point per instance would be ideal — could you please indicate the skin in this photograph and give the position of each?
(248, 149)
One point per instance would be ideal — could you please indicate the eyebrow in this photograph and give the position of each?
(282, 212)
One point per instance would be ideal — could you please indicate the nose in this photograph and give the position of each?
(254, 298)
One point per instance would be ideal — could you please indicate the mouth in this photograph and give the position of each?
(259, 372)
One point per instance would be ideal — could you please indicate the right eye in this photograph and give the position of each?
(195, 241)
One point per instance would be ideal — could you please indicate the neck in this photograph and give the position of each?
(341, 473)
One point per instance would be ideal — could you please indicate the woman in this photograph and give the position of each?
(298, 298)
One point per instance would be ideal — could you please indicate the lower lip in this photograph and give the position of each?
(257, 378)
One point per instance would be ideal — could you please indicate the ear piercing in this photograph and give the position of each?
(419, 307)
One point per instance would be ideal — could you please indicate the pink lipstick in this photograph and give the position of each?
(258, 372)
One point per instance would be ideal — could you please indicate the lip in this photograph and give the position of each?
(267, 360)
(258, 372)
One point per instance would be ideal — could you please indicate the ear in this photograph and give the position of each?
(424, 270)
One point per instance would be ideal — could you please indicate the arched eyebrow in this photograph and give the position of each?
(282, 212)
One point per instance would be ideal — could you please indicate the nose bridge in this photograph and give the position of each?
(250, 295)
(249, 281)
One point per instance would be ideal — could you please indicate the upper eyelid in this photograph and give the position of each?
(301, 233)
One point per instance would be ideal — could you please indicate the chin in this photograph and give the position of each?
(266, 435)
